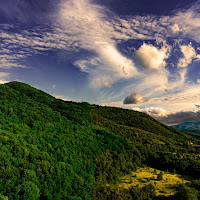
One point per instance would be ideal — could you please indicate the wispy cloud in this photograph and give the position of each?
(189, 54)
(95, 31)
(84, 25)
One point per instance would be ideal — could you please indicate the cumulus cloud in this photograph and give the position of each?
(135, 98)
(156, 112)
(189, 54)
(180, 117)
(151, 57)
(153, 111)
(170, 118)
(85, 25)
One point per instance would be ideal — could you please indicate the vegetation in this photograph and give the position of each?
(55, 149)
(153, 143)
(45, 155)
(193, 127)
(167, 185)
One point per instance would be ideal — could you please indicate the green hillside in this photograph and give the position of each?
(159, 146)
(55, 149)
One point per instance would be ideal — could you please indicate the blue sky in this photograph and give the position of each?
(142, 55)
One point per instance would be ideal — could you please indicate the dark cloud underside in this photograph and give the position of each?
(135, 98)
(180, 117)
(143, 7)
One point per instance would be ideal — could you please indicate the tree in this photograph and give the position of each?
(186, 193)
(28, 191)
(160, 176)
(2, 197)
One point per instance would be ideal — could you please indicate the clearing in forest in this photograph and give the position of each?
(164, 182)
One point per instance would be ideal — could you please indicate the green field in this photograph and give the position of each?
(147, 175)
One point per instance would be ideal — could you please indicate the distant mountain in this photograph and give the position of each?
(192, 127)
(55, 149)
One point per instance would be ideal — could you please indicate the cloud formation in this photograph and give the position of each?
(153, 111)
(86, 25)
(175, 28)
(135, 98)
(151, 57)
(170, 118)
(95, 31)
(189, 54)
(180, 117)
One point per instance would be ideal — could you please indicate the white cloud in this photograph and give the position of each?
(175, 28)
(151, 57)
(189, 22)
(137, 109)
(61, 97)
(198, 80)
(153, 111)
(84, 25)
(171, 118)
(189, 54)
(180, 117)
(95, 31)
(156, 112)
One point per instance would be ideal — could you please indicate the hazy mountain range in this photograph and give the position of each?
(193, 127)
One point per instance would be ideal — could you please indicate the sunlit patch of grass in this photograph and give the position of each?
(147, 175)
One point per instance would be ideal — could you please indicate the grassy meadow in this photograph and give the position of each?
(144, 176)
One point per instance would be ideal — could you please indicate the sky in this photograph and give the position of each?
(142, 55)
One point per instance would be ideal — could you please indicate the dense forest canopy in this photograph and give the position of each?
(55, 149)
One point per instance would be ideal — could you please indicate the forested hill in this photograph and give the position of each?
(192, 127)
(54, 149)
